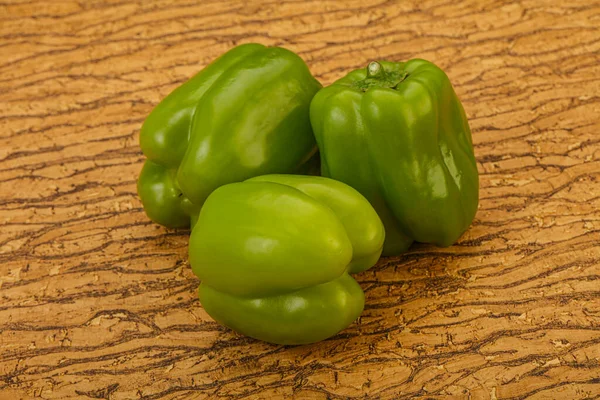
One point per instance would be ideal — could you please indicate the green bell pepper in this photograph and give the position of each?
(245, 114)
(398, 134)
(274, 254)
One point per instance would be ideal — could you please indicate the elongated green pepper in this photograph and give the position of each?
(274, 254)
(245, 114)
(398, 134)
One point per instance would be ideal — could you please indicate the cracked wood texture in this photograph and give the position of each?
(98, 302)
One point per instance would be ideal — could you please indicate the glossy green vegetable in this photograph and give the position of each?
(245, 114)
(274, 254)
(398, 134)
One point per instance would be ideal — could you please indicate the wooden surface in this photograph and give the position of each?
(97, 302)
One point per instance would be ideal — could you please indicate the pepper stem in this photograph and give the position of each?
(377, 76)
(374, 69)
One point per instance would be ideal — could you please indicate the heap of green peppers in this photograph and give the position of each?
(230, 152)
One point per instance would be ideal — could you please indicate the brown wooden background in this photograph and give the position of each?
(97, 302)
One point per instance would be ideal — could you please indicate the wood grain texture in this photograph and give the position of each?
(97, 302)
